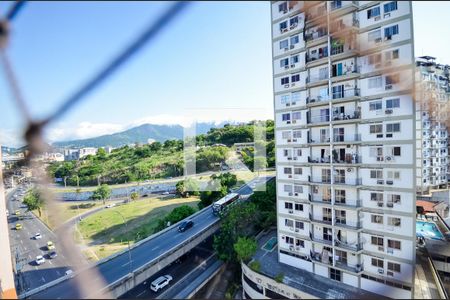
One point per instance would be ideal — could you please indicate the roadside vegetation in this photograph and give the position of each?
(109, 230)
(158, 160)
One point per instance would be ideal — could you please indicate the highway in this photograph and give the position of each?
(119, 266)
(25, 249)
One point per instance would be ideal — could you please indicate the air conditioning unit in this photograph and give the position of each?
(379, 135)
(295, 158)
(388, 87)
(295, 194)
(388, 135)
(294, 140)
(293, 103)
(288, 122)
(289, 158)
(289, 176)
(297, 230)
(380, 204)
(377, 18)
(380, 271)
(390, 182)
(288, 104)
(388, 111)
(292, 65)
(390, 251)
(380, 181)
(390, 204)
(286, 49)
(288, 140)
(292, 46)
(291, 248)
(290, 194)
(285, 11)
(284, 30)
(389, 158)
(380, 158)
(378, 40)
(380, 248)
(387, 15)
(291, 211)
(286, 85)
(294, 121)
(349, 170)
(286, 67)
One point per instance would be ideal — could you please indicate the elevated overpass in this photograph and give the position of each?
(147, 257)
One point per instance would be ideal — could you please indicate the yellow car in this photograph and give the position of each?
(17, 213)
(18, 226)
(50, 245)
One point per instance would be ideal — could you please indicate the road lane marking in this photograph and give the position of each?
(141, 293)
(57, 272)
(43, 279)
(155, 248)
(128, 262)
(50, 262)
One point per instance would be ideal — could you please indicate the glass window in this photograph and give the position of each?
(377, 128)
(393, 127)
(376, 105)
(285, 80)
(296, 115)
(295, 78)
(391, 6)
(376, 219)
(287, 171)
(295, 97)
(374, 59)
(288, 188)
(282, 7)
(284, 62)
(393, 244)
(377, 241)
(393, 103)
(297, 134)
(293, 21)
(299, 207)
(288, 205)
(392, 79)
(294, 59)
(376, 174)
(284, 44)
(393, 221)
(391, 30)
(373, 12)
(379, 263)
(288, 223)
(396, 151)
(294, 40)
(374, 35)
(393, 267)
(286, 134)
(298, 171)
(283, 25)
(298, 189)
(284, 99)
(376, 197)
(395, 54)
(375, 82)
(335, 274)
(286, 117)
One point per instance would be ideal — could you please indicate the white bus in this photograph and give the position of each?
(220, 205)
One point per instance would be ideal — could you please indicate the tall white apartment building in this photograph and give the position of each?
(433, 104)
(343, 73)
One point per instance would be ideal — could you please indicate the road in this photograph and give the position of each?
(119, 266)
(25, 249)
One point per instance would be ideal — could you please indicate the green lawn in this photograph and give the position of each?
(105, 233)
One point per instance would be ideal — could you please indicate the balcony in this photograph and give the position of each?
(316, 78)
(320, 200)
(340, 138)
(355, 247)
(345, 223)
(320, 240)
(320, 257)
(352, 268)
(347, 71)
(319, 160)
(322, 220)
(318, 119)
(347, 93)
(310, 57)
(350, 158)
(316, 35)
(317, 99)
(316, 13)
(348, 204)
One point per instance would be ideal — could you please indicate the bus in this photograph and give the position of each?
(220, 205)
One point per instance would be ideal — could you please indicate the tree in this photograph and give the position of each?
(34, 201)
(134, 196)
(103, 192)
(187, 187)
(245, 248)
(101, 153)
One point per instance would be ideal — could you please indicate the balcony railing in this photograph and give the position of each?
(317, 98)
(310, 57)
(347, 224)
(353, 92)
(315, 35)
(347, 71)
(318, 119)
(316, 78)
(348, 246)
(321, 200)
(347, 203)
(319, 240)
(346, 116)
(323, 220)
(342, 138)
(352, 268)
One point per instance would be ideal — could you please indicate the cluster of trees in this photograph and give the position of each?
(177, 214)
(234, 241)
(249, 159)
(34, 201)
(217, 187)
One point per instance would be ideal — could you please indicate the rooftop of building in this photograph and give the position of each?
(302, 280)
(427, 206)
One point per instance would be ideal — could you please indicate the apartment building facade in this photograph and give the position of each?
(432, 94)
(345, 130)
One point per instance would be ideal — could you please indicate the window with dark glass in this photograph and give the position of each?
(391, 6)
(373, 12)
(335, 274)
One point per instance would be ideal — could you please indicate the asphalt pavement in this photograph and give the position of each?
(146, 252)
(25, 248)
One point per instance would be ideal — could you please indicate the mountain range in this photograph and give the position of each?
(140, 134)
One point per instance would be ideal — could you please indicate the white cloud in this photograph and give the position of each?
(11, 138)
(89, 129)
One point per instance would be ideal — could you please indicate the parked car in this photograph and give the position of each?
(40, 260)
(52, 254)
(160, 282)
(50, 245)
(18, 226)
(68, 272)
(17, 212)
(110, 205)
(185, 225)
(37, 236)
(7, 213)
(165, 193)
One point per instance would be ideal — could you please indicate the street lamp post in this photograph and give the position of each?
(128, 241)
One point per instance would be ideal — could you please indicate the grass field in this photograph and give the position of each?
(67, 210)
(105, 232)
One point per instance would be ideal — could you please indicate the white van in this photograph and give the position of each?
(160, 282)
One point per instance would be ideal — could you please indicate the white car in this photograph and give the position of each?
(160, 282)
(7, 213)
(110, 205)
(40, 260)
(37, 236)
(69, 272)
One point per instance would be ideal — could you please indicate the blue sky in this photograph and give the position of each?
(216, 55)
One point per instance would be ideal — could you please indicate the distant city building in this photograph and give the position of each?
(76, 154)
